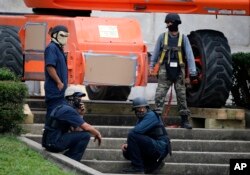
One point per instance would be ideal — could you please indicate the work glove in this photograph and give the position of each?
(194, 78)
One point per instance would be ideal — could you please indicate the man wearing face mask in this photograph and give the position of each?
(66, 130)
(173, 53)
(56, 71)
(147, 143)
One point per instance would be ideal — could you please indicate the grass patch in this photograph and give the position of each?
(16, 158)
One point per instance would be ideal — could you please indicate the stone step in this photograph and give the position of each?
(169, 168)
(177, 145)
(174, 133)
(110, 160)
(129, 120)
(119, 113)
(38, 102)
(177, 156)
(106, 119)
(197, 151)
(124, 108)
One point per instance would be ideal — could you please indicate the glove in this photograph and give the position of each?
(194, 79)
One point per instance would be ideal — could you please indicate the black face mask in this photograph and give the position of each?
(140, 114)
(173, 27)
(75, 102)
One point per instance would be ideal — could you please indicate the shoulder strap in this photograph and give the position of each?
(179, 50)
(52, 114)
(165, 45)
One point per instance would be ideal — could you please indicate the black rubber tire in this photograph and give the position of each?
(10, 50)
(114, 93)
(214, 62)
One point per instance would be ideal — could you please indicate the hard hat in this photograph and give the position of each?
(74, 91)
(58, 28)
(140, 102)
(173, 17)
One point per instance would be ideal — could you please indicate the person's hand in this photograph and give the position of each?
(150, 71)
(194, 79)
(124, 147)
(60, 85)
(82, 109)
(98, 137)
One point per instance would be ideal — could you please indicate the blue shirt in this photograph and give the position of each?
(69, 115)
(66, 117)
(145, 124)
(54, 56)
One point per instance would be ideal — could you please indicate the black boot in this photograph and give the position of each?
(133, 170)
(185, 123)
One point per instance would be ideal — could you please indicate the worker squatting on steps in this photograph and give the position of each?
(65, 128)
(56, 71)
(171, 53)
(147, 143)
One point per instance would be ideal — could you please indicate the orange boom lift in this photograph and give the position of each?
(108, 55)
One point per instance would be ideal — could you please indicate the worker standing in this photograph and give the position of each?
(56, 71)
(169, 53)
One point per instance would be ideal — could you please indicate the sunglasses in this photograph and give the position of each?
(167, 22)
(62, 35)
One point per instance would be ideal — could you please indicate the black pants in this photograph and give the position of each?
(74, 143)
(141, 151)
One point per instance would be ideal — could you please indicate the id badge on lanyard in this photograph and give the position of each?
(173, 64)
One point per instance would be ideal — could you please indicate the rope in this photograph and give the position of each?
(165, 114)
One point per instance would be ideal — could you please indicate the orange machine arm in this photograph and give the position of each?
(215, 7)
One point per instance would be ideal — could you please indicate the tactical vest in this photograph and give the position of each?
(172, 56)
(157, 131)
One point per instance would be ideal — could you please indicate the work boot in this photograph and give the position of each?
(185, 123)
(133, 170)
(155, 167)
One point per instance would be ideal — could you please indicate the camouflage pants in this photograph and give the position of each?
(163, 86)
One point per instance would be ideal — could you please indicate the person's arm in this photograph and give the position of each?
(157, 51)
(87, 127)
(190, 57)
(52, 72)
(149, 121)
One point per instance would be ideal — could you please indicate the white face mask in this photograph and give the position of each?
(62, 37)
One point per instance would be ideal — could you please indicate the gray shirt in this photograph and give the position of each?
(187, 48)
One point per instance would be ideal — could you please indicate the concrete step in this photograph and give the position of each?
(169, 168)
(177, 156)
(195, 152)
(110, 160)
(119, 113)
(177, 145)
(105, 119)
(36, 102)
(174, 133)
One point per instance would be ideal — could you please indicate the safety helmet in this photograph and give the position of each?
(139, 102)
(74, 91)
(57, 29)
(173, 17)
